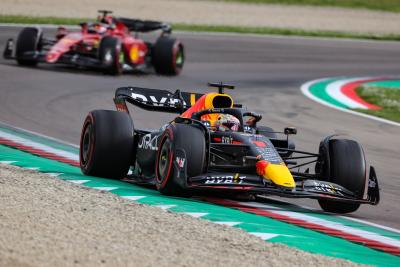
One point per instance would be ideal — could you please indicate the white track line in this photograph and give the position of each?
(8, 162)
(387, 228)
(165, 207)
(195, 214)
(38, 134)
(105, 188)
(371, 224)
(305, 90)
(334, 90)
(228, 223)
(53, 174)
(78, 181)
(26, 142)
(329, 224)
(264, 236)
(134, 198)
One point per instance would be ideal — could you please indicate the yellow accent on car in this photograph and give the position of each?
(279, 175)
(192, 99)
(134, 53)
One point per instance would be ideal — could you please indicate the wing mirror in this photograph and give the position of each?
(290, 130)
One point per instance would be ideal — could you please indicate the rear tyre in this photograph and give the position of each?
(177, 137)
(111, 55)
(29, 40)
(106, 146)
(348, 169)
(267, 132)
(168, 56)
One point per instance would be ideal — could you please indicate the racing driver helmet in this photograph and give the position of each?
(226, 123)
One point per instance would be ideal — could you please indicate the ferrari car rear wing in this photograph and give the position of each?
(155, 99)
(138, 25)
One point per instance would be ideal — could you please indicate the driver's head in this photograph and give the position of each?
(227, 122)
(105, 19)
(100, 28)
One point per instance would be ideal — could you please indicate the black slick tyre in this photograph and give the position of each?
(168, 56)
(29, 40)
(177, 137)
(348, 169)
(106, 145)
(111, 55)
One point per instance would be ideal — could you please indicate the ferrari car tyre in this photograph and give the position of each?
(348, 169)
(111, 55)
(267, 132)
(29, 40)
(168, 56)
(106, 146)
(189, 139)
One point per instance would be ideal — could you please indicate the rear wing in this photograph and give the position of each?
(154, 99)
(138, 25)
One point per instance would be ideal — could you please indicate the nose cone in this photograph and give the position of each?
(52, 57)
(278, 174)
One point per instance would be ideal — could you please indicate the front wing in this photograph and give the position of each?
(313, 189)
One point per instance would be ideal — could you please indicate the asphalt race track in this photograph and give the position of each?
(268, 72)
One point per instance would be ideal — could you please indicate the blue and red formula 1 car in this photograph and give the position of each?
(107, 44)
(215, 145)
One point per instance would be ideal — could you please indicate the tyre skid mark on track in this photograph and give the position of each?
(364, 241)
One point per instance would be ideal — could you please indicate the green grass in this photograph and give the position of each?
(383, 5)
(387, 98)
(207, 28)
(41, 20)
(280, 31)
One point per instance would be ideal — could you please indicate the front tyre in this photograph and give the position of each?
(348, 169)
(168, 56)
(106, 145)
(29, 40)
(111, 55)
(185, 137)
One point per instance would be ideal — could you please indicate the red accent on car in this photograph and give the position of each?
(161, 183)
(260, 143)
(217, 139)
(261, 166)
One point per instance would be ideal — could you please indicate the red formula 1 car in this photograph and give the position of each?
(107, 44)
